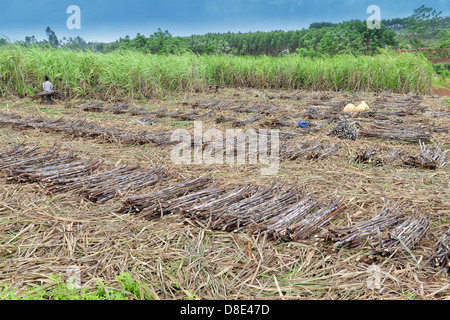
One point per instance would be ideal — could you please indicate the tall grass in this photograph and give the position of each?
(128, 73)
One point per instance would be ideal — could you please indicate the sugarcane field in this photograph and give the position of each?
(96, 188)
(188, 176)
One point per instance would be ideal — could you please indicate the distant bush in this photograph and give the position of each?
(442, 69)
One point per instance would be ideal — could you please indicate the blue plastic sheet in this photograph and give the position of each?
(303, 124)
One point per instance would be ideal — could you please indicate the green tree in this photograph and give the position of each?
(52, 38)
(30, 40)
(341, 41)
(425, 26)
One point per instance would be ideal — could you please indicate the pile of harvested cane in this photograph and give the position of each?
(278, 227)
(255, 108)
(429, 158)
(405, 236)
(209, 105)
(147, 121)
(156, 204)
(66, 172)
(280, 123)
(205, 212)
(344, 130)
(390, 133)
(105, 186)
(88, 130)
(118, 108)
(441, 257)
(380, 114)
(369, 155)
(285, 213)
(302, 220)
(310, 150)
(61, 167)
(189, 116)
(248, 206)
(43, 94)
(366, 232)
(122, 108)
(21, 154)
(92, 106)
(240, 123)
(388, 233)
(223, 119)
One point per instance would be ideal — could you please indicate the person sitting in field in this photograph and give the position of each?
(48, 87)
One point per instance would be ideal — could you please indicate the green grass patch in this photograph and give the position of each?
(60, 290)
(441, 83)
(181, 124)
(53, 111)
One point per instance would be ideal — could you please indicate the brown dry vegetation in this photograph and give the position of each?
(42, 234)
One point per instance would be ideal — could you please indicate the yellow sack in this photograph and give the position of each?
(362, 107)
(350, 108)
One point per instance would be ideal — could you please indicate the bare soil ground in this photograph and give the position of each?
(43, 234)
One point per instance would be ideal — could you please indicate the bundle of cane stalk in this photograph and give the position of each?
(261, 109)
(208, 212)
(314, 221)
(147, 121)
(32, 159)
(252, 119)
(278, 227)
(61, 167)
(66, 172)
(46, 93)
(155, 204)
(391, 133)
(429, 158)
(311, 150)
(79, 128)
(121, 108)
(301, 220)
(190, 200)
(21, 154)
(276, 210)
(344, 130)
(254, 210)
(102, 187)
(441, 256)
(249, 144)
(190, 116)
(223, 119)
(92, 106)
(405, 236)
(18, 150)
(366, 231)
(369, 155)
(160, 113)
(118, 108)
(392, 156)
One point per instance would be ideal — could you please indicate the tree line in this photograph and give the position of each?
(424, 28)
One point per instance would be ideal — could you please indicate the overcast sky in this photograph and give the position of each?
(108, 20)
